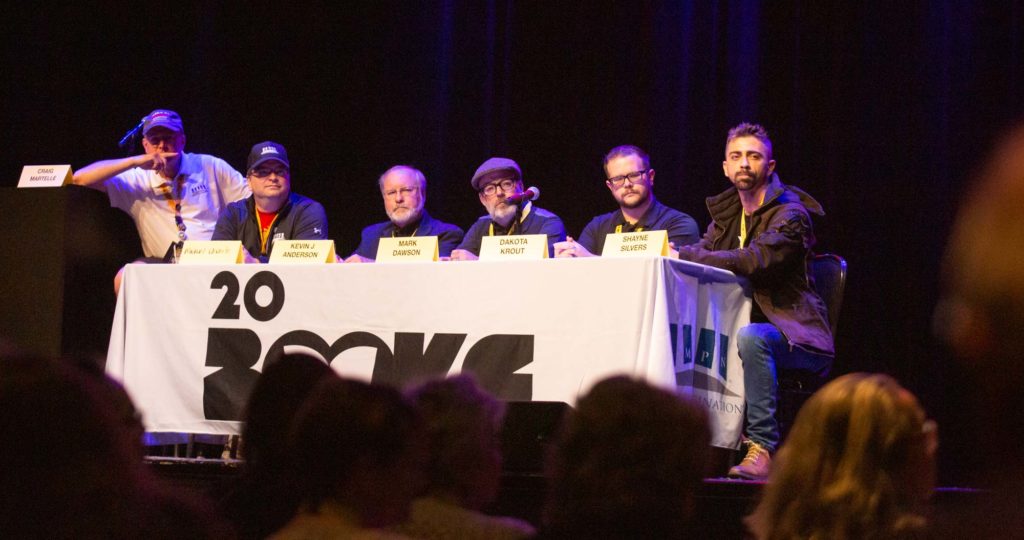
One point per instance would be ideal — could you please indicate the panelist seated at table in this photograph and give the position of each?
(630, 179)
(171, 195)
(273, 212)
(404, 189)
(496, 181)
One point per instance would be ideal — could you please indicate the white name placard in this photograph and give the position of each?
(410, 249)
(516, 246)
(302, 252)
(635, 244)
(33, 176)
(211, 252)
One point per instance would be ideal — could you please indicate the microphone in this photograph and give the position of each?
(132, 133)
(530, 194)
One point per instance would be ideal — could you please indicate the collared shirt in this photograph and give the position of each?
(537, 221)
(682, 229)
(448, 235)
(209, 185)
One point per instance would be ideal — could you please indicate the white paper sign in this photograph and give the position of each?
(410, 249)
(302, 252)
(211, 252)
(636, 244)
(516, 246)
(33, 176)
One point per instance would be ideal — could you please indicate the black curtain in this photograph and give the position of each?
(880, 110)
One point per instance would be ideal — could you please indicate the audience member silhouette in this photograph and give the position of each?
(359, 451)
(981, 317)
(263, 498)
(627, 464)
(859, 463)
(462, 425)
(72, 463)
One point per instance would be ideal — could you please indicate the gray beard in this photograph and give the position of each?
(503, 215)
(409, 217)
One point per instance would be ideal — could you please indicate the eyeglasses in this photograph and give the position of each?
(633, 178)
(404, 192)
(505, 184)
(264, 173)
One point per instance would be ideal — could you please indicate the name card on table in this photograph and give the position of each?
(33, 176)
(410, 249)
(302, 252)
(516, 246)
(211, 252)
(635, 244)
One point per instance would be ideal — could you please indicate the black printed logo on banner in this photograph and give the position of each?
(493, 359)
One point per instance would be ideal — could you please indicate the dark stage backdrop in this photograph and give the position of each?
(880, 110)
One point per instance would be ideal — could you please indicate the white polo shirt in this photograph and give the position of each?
(209, 185)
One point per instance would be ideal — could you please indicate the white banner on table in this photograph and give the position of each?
(189, 359)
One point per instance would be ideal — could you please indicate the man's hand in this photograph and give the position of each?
(673, 251)
(357, 258)
(462, 255)
(570, 248)
(155, 162)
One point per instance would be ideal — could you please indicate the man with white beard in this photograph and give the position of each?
(495, 181)
(404, 189)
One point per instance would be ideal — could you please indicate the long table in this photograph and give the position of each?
(188, 342)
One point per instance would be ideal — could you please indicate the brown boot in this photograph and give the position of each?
(755, 465)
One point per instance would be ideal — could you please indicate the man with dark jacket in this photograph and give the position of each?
(761, 230)
(404, 189)
(273, 212)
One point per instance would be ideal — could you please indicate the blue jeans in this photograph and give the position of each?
(762, 348)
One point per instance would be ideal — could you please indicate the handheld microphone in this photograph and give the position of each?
(529, 194)
(132, 133)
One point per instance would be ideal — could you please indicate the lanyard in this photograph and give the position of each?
(416, 230)
(511, 229)
(265, 233)
(174, 192)
(743, 227)
(618, 228)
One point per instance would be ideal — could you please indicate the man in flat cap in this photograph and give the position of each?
(404, 189)
(495, 181)
(273, 212)
(172, 195)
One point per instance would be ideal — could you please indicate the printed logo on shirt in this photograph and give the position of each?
(317, 230)
(279, 236)
(198, 188)
(268, 150)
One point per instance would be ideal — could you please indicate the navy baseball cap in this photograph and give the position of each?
(162, 118)
(266, 151)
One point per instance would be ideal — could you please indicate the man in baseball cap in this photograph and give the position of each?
(273, 212)
(495, 181)
(172, 195)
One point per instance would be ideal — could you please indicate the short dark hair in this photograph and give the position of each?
(746, 129)
(627, 463)
(627, 150)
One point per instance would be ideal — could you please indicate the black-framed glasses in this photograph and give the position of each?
(505, 184)
(265, 172)
(633, 178)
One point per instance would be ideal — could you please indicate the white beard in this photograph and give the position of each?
(503, 214)
(401, 219)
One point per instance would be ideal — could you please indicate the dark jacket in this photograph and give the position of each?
(775, 259)
(448, 235)
(300, 218)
